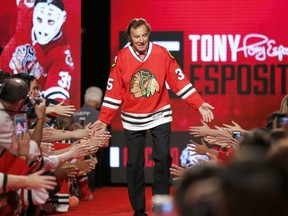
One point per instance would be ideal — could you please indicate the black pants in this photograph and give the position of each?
(135, 141)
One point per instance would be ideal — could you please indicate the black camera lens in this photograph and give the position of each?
(29, 108)
(37, 101)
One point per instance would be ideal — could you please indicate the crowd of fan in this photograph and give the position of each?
(44, 169)
(244, 175)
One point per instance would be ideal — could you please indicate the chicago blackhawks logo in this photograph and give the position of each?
(143, 84)
(24, 60)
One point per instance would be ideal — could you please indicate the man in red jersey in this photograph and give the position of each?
(137, 81)
(40, 47)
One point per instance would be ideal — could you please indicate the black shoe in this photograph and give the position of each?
(140, 213)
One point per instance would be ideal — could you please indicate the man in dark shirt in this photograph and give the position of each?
(89, 112)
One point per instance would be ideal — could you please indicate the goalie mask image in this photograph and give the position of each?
(40, 46)
(48, 18)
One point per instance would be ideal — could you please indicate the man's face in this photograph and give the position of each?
(47, 22)
(34, 89)
(139, 38)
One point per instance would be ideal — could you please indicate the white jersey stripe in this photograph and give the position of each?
(184, 89)
(109, 105)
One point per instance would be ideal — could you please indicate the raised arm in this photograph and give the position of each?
(32, 181)
(61, 109)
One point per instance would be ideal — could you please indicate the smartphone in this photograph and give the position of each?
(282, 120)
(82, 121)
(20, 124)
(236, 135)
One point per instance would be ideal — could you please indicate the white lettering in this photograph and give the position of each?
(215, 47)
(276, 51)
(206, 48)
(234, 43)
(194, 53)
(220, 48)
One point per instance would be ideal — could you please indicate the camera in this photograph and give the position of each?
(37, 101)
(29, 107)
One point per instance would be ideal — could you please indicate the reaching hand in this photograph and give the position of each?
(46, 148)
(40, 108)
(234, 127)
(37, 181)
(77, 150)
(205, 111)
(99, 126)
(67, 170)
(14, 149)
(196, 148)
(200, 131)
(102, 138)
(85, 166)
(177, 171)
(24, 143)
(64, 110)
(82, 133)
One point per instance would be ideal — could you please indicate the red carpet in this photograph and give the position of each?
(110, 201)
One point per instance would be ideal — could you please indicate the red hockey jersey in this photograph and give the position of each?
(140, 87)
(51, 64)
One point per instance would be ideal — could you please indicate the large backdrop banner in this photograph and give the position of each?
(44, 40)
(234, 52)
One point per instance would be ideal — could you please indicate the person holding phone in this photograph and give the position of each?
(13, 96)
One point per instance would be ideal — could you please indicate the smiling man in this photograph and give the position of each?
(138, 81)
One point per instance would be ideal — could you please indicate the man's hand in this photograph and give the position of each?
(205, 111)
(40, 107)
(99, 126)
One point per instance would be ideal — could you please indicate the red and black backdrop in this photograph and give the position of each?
(234, 52)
